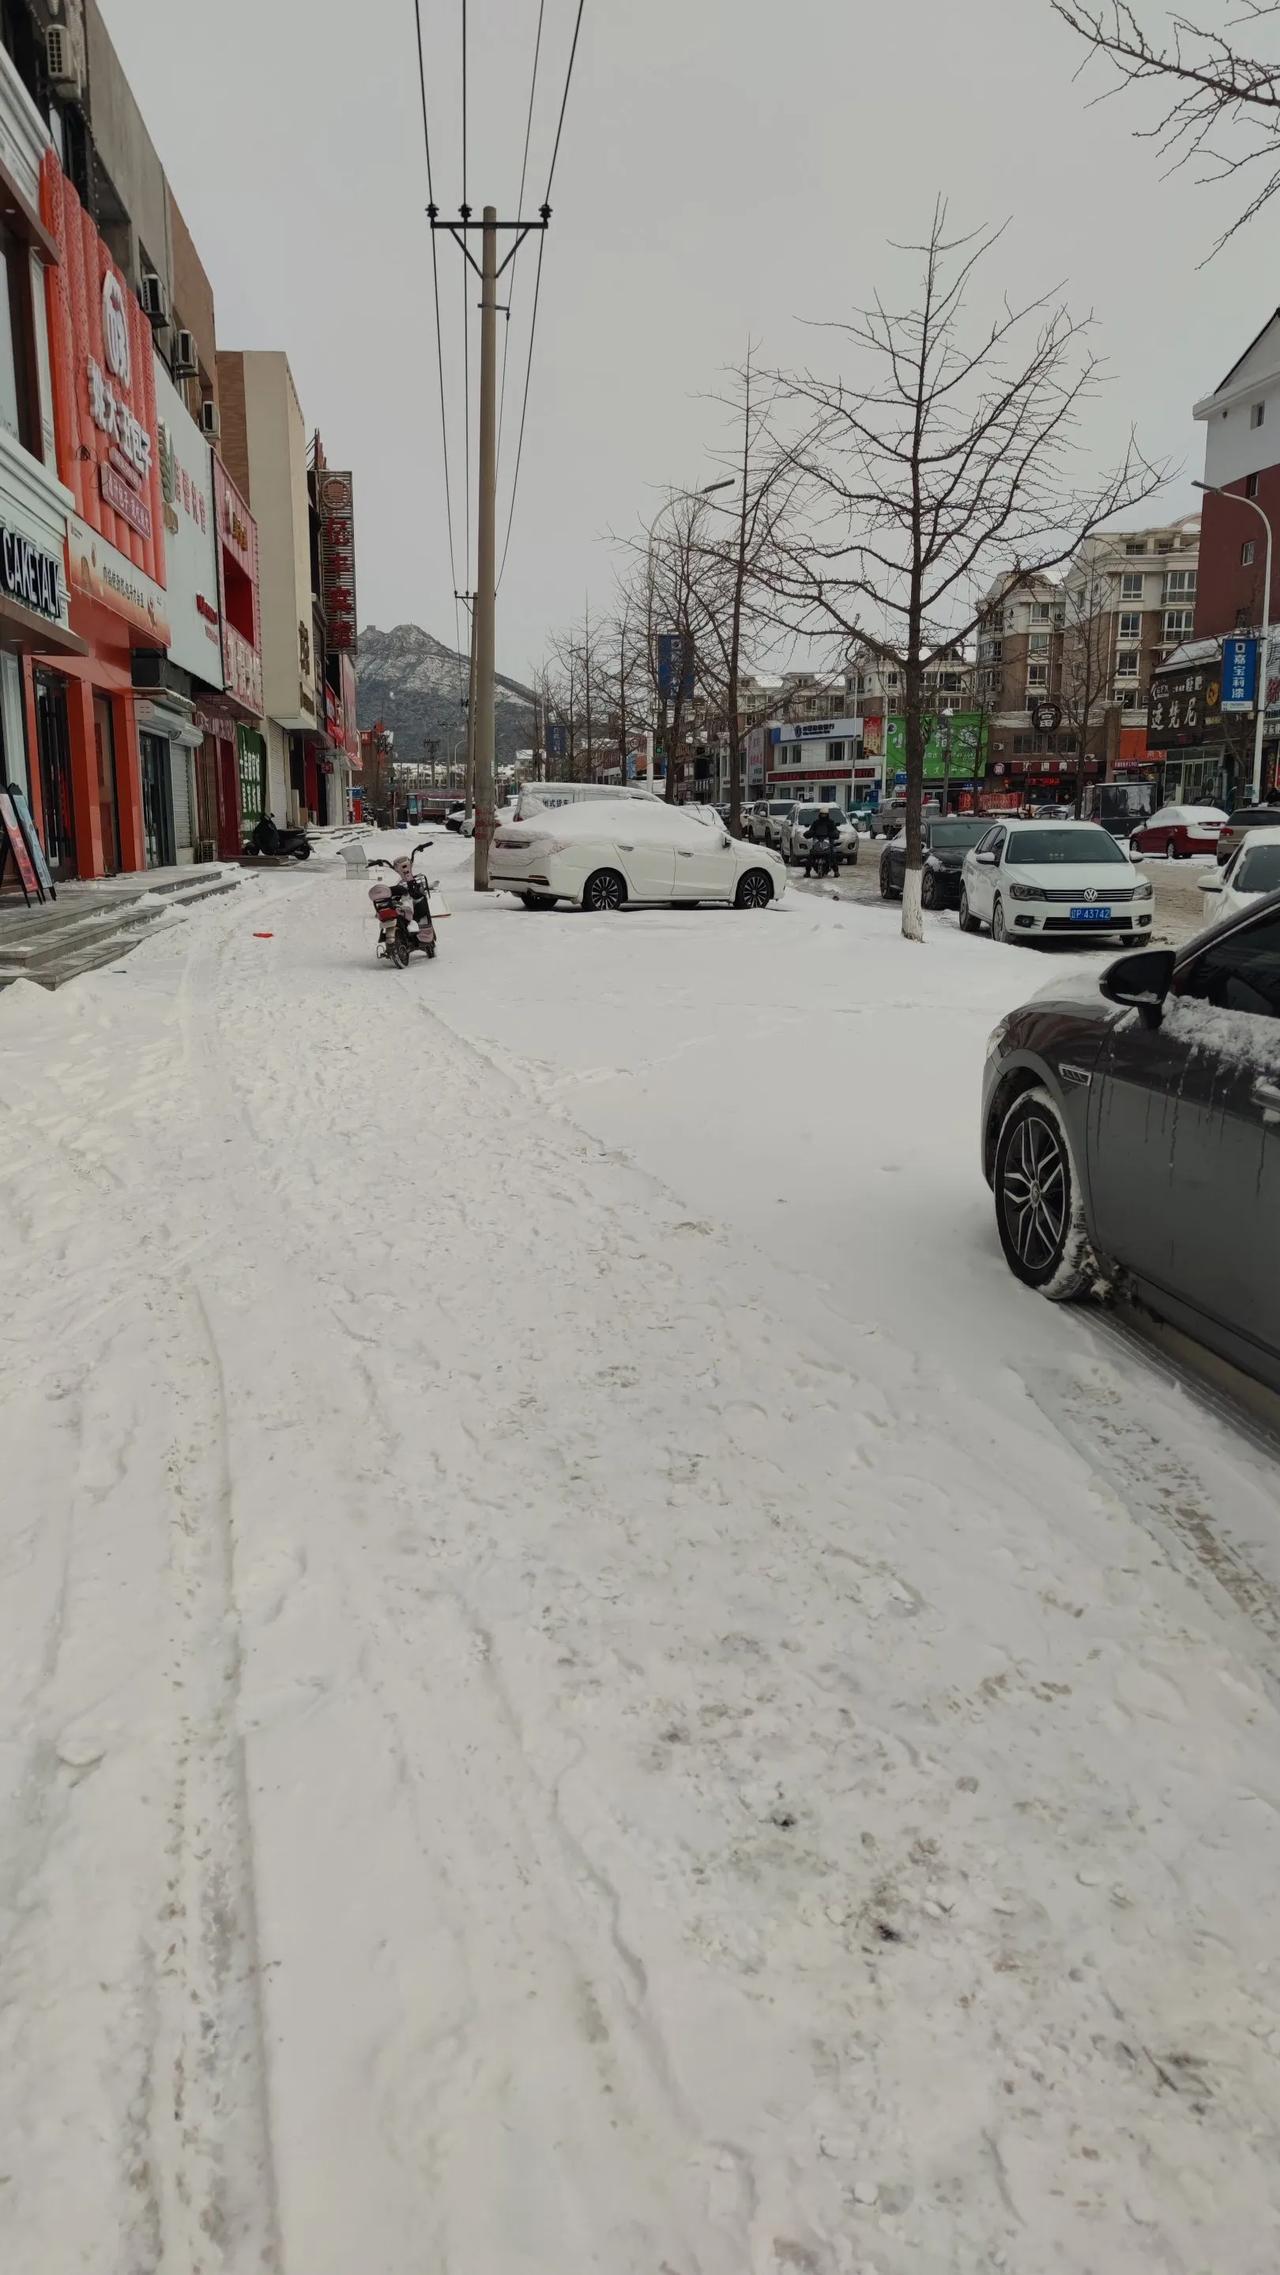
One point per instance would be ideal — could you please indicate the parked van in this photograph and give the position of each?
(533, 795)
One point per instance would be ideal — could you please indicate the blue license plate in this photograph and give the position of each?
(1091, 916)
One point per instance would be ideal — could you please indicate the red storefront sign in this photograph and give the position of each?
(104, 391)
(238, 594)
(338, 560)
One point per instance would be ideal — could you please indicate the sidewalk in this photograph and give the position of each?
(88, 925)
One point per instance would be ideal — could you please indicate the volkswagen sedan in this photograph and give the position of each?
(1045, 880)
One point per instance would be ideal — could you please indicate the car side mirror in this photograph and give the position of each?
(1211, 884)
(1140, 983)
(988, 860)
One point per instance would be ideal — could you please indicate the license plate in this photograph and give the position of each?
(1091, 916)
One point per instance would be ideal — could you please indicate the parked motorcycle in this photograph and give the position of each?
(402, 906)
(275, 844)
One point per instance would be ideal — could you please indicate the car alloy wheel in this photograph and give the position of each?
(968, 921)
(886, 882)
(928, 890)
(1039, 1214)
(997, 920)
(604, 890)
(755, 890)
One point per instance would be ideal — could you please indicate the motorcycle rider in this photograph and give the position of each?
(416, 887)
(822, 831)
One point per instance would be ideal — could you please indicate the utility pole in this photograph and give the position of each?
(469, 773)
(486, 549)
(480, 719)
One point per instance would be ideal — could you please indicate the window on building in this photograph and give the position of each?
(949, 682)
(1246, 553)
(1131, 585)
(1251, 486)
(1127, 663)
(1135, 545)
(1042, 613)
(1179, 584)
(1037, 675)
(19, 400)
(1022, 746)
(1177, 624)
(891, 679)
(1038, 644)
(1257, 413)
(1131, 624)
(1126, 698)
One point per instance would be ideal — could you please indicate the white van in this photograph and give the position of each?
(533, 795)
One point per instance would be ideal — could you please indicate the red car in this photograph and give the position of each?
(1180, 831)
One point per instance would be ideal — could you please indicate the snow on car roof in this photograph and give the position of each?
(613, 817)
(1188, 814)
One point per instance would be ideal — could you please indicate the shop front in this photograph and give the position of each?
(34, 503)
(170, 687)
(81, 707)
(1205, 756)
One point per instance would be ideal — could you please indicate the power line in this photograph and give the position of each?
(524, 170)
(524, 407)
(435, 288)
(564, 99)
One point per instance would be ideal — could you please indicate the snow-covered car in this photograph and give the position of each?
(759, 817)
(1134, 1132)
(1251, 873)
(1039, 880)
(612, 854)
(1240, 824)
(793, 832)
(1180, 831)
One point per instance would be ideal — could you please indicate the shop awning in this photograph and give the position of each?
(28, 633)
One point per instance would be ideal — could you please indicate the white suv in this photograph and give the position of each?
(1041, 880)
(761, 820)
(793, 832)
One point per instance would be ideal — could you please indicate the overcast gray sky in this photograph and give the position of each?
(729, 167)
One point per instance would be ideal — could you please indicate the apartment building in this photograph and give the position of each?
(1241, 420)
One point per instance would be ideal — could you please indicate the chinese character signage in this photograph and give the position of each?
(338, 561)
(186, 486)
(238, 594)
(1239, 674)
(1184, 705)
(104, 394)
(670, 645)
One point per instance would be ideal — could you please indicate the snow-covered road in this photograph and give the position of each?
(585, 1683)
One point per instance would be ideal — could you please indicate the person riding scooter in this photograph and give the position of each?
(822, 837)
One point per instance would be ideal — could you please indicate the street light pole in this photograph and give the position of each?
(1264, 643)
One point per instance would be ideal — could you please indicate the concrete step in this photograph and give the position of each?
(54, 944)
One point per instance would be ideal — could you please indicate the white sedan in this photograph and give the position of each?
(793, 832)
(1252, 871)
(612, 853)
(1043, 880)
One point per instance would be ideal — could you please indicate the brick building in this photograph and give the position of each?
(1242, 456)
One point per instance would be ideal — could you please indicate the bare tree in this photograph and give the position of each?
(1208, 87)
(625, 672)
(944, 458)
(1088, 660)
(676, 554)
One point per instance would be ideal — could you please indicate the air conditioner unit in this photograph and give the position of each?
(210, 423)
(185, 361)
(64, 58)
(151, 293)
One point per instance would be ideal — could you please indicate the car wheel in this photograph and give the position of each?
(998, 931)
(968, 921)
(1039, 1210)
(1179, 852)
(886, 882)
(928, 890)
(604, 889)
(755, 890)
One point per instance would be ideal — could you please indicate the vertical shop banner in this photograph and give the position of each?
(1239, 674)
(103, 371)
(31, 836)
(13, 847)
(338, 561)
(190, 520)
(238, 593)
(351, 730)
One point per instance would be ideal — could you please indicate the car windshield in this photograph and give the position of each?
(1245, 817)
(781, 806)
(942, 834)
(1064, 848)
(809, 813)
(1259, 872)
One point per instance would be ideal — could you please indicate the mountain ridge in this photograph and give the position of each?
(416, 683)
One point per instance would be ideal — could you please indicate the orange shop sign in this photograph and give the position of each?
(104, 390)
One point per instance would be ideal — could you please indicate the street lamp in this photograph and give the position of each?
(1264, 644)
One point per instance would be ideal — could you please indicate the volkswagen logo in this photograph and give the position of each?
(1091, 892)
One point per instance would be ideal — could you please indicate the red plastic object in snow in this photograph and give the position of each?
(264, 936)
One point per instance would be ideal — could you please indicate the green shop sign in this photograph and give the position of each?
(955, 746)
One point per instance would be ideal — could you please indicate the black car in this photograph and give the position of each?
(944, 843)
(1133, 1136)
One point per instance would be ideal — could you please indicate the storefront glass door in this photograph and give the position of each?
(54, 743)
(108, 804)
(157, 810)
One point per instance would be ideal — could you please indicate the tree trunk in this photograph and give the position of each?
(912, 918)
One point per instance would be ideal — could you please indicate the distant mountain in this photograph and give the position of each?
(413, 682)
